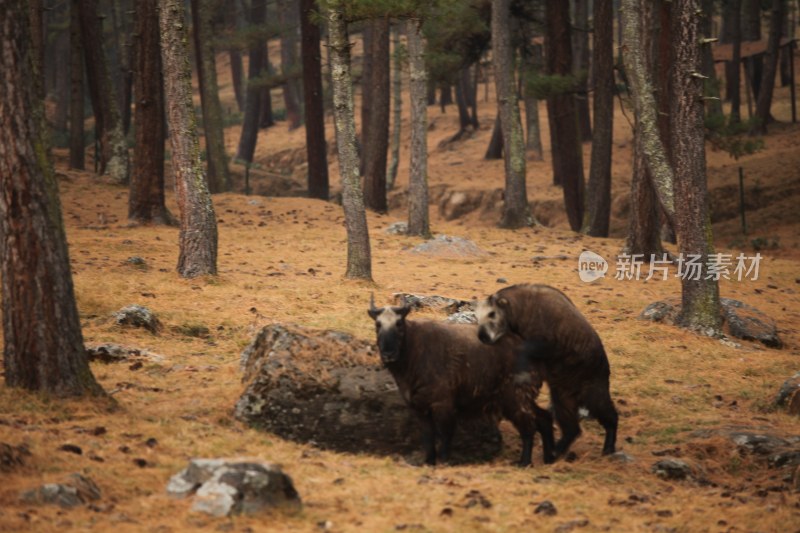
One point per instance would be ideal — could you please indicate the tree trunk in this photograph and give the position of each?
(531, 64)
(495, 148)
(472, 93)
(146, 198)
(445, 95)
(464, 121)
(77, 159)
(266, 118)
(564, 134)
(375, 147)
(397, 107)
(734, 80)
(314, 104)
(764, 100)
(366, 89)
(114, 160)
(700, 298)
(198, 225)
(516, 211)
(645, 107)
(219, 179)
(599, 186)
(36, 18)
(751, 31)
(580, 66)
(288, 19)
(418, 217)
(62, 92)
(359, 262)
(235, 21)
(643, 221)
(711, 84)
(252, 105)
(43, 346)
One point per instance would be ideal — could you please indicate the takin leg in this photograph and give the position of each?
(544, 423)
(428, 438)
(525, 424)
(600, 405)
(444, 421)
(566, 412)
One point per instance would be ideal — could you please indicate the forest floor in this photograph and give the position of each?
(282, 260)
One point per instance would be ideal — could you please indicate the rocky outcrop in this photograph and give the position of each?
(138, 316)
(77, 490)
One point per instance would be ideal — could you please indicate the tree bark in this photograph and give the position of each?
(359, 262)
(735, 66)
(43, 346)
(599, 186)
(36, 18)
(235, 21)
(700, 298)
(764, 100)
(314, 105)
(288, 19)
(62, 81)
(564, 134)
(376, 146)
(219, 179)
(531, 64)
(146, 198)
(252, 105)
(711, 84)
(580, 66)
(644, 104)
(77, 159)
(198, 225)
(114, 160)
(418, 217)
(495, 148)
(397, 107)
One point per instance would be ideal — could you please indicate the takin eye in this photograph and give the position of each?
(492, 315)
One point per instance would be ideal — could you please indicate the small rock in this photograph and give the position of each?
(672, 469)
(77, 490)
(12, 456)
(546, 508)
(746, 322)
(135, 260)
(71, 448)
(572, 524)
(397, 228)
(474, 497)
(435, 302)
(448, 246)
(138, 316)
(659, 312)
(621, 457)
(502, 280)
(788, 392)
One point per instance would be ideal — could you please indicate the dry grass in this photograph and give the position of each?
(281, 260)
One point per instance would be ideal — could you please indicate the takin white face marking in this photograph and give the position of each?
(390, 329)
(491, 317)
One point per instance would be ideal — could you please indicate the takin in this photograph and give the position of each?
(443, 372)
(560, 344)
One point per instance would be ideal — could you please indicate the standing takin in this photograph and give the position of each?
(443, 371)
(561, 343)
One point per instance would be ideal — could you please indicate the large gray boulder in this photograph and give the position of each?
(328, 388)
(789, 395)
(225, 487)
(77, 490)
(138, 316)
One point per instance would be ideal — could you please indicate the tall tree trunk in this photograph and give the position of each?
(266, 118)
(36, 18)
(764, 101)
(77, 159)
(235, 21)
(700, 298)
(735, 66)
(418, 217)
(366, 89)
(219, 179)
(711, 84)
(62, 94)
(397, 106)
(146, 198)
(751, 31)
(580, 66)
(43, 345)
(599, 186)
(288, 19)
(564, 134)
(314, 104)
(359, 262)
(516, 211)
(531, 63)
(661, 73)
(252, 105)
(114, 159)
(495, 148)
(198, 224)
(462, 91)
(376, 146)
(645, 107)
(643, 221)
(471, 84)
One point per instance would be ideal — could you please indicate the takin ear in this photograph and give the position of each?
(502, 303)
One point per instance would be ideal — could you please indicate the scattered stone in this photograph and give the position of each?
(621, 457)
(225, 487)
(449, 246)
(12, 456)
(546, 508)
(77, 490)
(672, 468)
(435, 302)
(136, 261)
(789, 395)
(71, 448)
(559, 257)
(397, 228)
(151, 442)
(572, 524)
(327, 387)
(502, 280)
(138, 316)
(474, 498)
(141, 463)
(739, 320)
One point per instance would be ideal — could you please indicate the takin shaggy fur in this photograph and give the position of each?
(443, 372)
(561, 344)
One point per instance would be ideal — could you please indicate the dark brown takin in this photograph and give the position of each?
(560, 343)
(444, 372)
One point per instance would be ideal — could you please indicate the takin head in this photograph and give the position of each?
(390, 327)
(491, 315)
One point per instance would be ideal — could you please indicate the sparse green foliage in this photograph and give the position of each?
(732, 137)
(544, 86)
